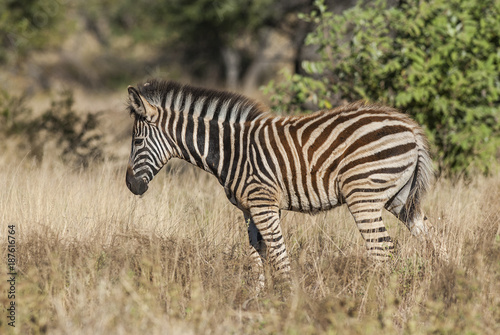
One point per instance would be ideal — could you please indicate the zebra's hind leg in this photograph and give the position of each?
(368, 217)
(257, 252)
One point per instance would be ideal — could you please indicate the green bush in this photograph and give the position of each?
(438, 61)
(30, 25)
(76, 138)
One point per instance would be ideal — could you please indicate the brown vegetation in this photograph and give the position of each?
(93, 258)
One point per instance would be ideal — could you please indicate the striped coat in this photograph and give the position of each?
(368, 157)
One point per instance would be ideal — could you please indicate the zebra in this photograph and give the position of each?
(366, 156)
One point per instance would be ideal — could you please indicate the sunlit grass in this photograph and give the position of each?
(93, 258)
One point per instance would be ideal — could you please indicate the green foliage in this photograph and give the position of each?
(193, 20)
(437, 60)
(75, 138)
(194, 31)
(29, 25)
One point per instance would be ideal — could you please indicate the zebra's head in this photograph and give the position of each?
(150, 146)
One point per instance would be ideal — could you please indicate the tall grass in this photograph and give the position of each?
(92, 258)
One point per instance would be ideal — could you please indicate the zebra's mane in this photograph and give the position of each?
(156, 91)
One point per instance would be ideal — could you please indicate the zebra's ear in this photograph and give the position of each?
(141, 106)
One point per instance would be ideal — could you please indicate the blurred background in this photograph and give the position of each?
(65, 66)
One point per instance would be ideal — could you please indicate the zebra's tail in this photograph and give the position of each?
(423, 178)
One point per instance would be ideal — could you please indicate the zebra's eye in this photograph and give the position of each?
(138, 141)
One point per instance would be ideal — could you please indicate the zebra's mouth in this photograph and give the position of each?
(138, 186)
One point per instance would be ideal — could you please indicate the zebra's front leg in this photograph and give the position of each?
(267, 222)
(257, 251)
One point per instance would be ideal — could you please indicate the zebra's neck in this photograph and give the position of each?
(208, 127)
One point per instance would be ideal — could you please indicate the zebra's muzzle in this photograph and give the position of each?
(136, 185)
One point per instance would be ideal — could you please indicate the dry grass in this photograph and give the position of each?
(92, 258)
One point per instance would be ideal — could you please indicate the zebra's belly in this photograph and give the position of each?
(313, 207)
